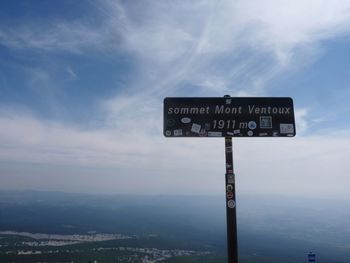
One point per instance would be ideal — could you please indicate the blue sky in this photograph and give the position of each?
(82, 85)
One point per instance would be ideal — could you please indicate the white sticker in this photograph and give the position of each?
(214, 134)
(229, 187)
(229, 133)
(196, 128)
(167, 133)
(231, 204)
(236, 131)
(252, 125)
(265, 122)
(185, 120)
(286, 128)
(230, 179)
(250, 133)
(263, 134)
(178, 132)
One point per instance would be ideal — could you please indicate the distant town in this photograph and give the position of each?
(45, 244)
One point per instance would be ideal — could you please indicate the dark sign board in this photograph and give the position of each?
(229, 117)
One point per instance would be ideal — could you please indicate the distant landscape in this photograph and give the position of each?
(64, 227)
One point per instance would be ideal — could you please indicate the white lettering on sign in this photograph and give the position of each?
(227, 110)
(243, 125)
(268, 110)
(224, 124)
(189, 110)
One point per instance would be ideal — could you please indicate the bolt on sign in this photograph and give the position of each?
(229, 117)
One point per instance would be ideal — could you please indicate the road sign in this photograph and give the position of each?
(229, 117)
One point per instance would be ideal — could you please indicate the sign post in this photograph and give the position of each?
(231, 219)
(229, 117)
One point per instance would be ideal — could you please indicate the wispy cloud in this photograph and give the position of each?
(185, 48)
(200, 42)
(75, 36)
(71, 73)
(240, 45)
(190, 166)
(301, 121)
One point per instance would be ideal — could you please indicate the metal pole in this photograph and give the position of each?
(231, 220)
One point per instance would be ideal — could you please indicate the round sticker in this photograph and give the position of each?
(252, 125)
(229, 195)
(167, 133)
(185, 120)
(231, 204)
(229, 187)
(250, 133)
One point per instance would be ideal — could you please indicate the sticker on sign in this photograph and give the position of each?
(214, 134)
(178, 132)
(286, 128)
(195, 128)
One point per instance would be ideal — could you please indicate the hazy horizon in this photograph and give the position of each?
(270, 228)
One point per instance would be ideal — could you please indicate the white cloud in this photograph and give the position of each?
(187, 41)
(233, 47)
(29, 139)
(114, 160)
(197, 42)
(71, 73)
(77, 36)
(301, 121)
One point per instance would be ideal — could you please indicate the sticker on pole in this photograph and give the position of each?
(229, 117)
(231, 204)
